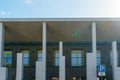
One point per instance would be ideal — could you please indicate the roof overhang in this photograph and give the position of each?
(61, 29)
(56, 19)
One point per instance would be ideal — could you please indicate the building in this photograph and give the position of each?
(59, 48)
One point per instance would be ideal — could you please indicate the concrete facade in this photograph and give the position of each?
(50, 32)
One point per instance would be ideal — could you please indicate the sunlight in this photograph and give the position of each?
(114, 8)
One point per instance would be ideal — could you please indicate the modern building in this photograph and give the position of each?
(59, 48)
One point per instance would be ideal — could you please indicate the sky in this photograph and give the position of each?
(59, 8)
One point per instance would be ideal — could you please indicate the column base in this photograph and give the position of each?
(3, 73)
(91, 66)
(40, 70)
(117, 73)
(62, 68)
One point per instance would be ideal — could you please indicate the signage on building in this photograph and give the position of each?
(101, 70)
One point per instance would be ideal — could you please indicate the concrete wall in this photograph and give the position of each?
(54, 70)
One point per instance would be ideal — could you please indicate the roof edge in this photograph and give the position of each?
(56, 19)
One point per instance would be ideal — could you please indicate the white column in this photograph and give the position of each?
(91, 66)
(3, 70)
(41, 65)
(91, 57)
(19, 71)
(62, 62)
(1, 43)
(3, 73)
(94, 37)
(114, 53)
(114, 60)
(61, 48)
(44, 41)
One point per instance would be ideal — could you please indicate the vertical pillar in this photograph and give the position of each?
(3, 73)
(3, 70)
(44, 39)
(115, 68)
(41, 65)
(62, 62)
(91, 57)
(61, 48)
(19, 71)
(1, 43)
(91, 66)
(114, 53)
(94, 37)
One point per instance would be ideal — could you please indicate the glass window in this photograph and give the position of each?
(98, 57)
(77, 58)
(56, 58)
(7, 57)
(39, 55)
(111, 58)
(25, 57)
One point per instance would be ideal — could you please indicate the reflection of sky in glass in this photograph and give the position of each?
(40, 55)
(26, 57)
(111, 58)
(7, 57)
(56, 58)
(77, 58)
(98, 58)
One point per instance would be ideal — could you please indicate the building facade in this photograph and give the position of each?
(59, 49)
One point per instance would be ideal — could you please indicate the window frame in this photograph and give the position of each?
(4, 64)
(82, 58)
(38, 53)
(28, 56)
(99, 57)
(54, 58)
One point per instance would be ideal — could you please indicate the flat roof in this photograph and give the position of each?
(57, 19)
(61, 29)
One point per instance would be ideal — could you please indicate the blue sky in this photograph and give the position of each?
(59, 8)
